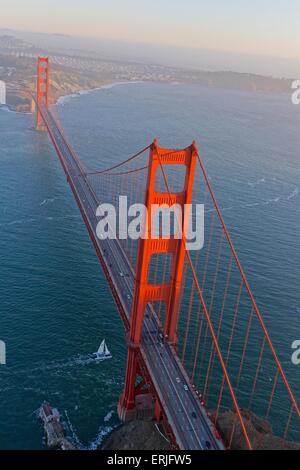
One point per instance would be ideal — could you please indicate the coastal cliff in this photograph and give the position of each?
(144, 435)
(136, 435)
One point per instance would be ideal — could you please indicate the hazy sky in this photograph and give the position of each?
(264, 27)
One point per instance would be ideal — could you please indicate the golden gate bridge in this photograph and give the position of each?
(199, 352)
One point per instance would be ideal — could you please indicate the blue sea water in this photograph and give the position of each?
(55, 305)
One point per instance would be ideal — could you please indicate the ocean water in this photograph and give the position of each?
(55, 305)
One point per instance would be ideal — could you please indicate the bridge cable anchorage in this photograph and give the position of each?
(255, 307)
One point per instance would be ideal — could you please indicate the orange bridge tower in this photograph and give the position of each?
(147, 292)
(43, 81)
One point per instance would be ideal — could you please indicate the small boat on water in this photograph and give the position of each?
(102, 353)
(54, 430)
(47, 413)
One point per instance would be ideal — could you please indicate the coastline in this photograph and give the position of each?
(10, 109)
(135, 435)
(64, 98)
(107, 86)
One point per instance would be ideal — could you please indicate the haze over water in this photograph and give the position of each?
(55, 303)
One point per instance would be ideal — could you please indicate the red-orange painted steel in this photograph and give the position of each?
(255, 307)
(146, 292)
(42, 88)
(223, 365)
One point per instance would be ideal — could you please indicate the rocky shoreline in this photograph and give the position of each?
(20, 102)
(136, 435)
(146, 435)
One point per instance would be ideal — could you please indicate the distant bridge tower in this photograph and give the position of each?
(2, 93)
(43, 81)
(145, 291)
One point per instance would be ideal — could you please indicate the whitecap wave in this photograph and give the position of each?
(56, 366)
(48, 201)
(8, 109)
(92, 445)
(252, 184)
(248, 205)
(293, 194)
(108, 416)
(272, 200)
(103, 432)
(65, 99)
(32, 220)
(73, 434)
(14, 222)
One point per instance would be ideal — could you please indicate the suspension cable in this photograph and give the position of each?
(119, 164)
(255, 307)
(225, 372)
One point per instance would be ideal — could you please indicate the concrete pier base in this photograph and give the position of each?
(143, 408)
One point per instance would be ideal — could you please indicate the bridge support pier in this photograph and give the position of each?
(136, 401)
(157, 411)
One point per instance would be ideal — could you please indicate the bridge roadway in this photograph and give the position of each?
(188, 419)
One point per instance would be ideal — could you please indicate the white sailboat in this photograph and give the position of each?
(103, 352)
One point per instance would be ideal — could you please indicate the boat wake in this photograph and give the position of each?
(32, 220)
(81, 360)
(266, 202)
(108, 416)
